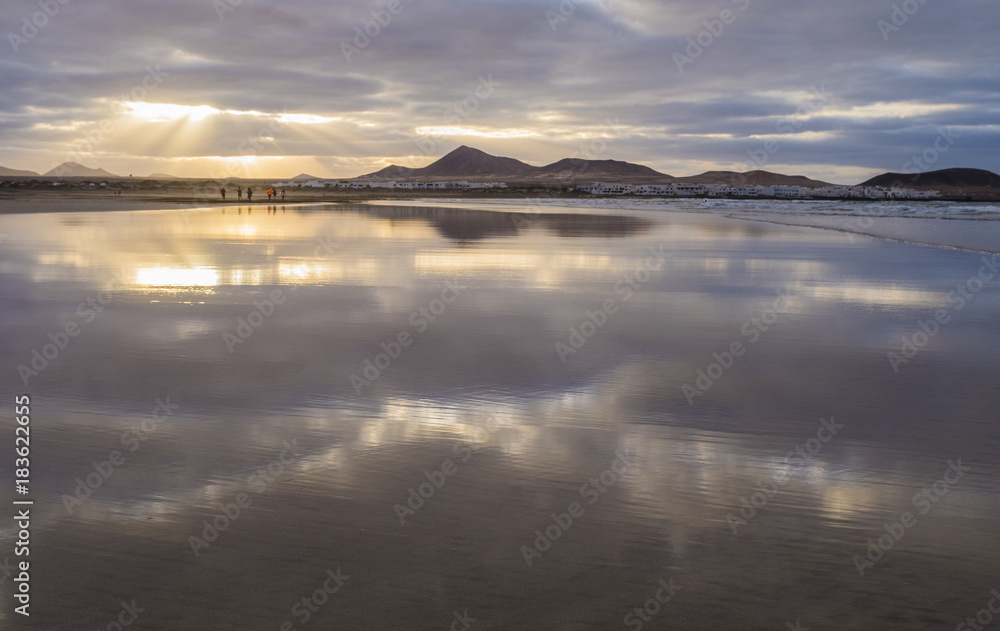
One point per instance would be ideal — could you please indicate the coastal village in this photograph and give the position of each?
(674, 189)
(753, 190)
(470, 170)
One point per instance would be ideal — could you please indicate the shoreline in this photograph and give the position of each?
(46, 201)
(875, 234)
(965, 233)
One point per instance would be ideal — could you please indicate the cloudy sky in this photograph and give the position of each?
(834, 90)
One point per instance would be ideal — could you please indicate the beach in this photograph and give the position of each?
(477, 414)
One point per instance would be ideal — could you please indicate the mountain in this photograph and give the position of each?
(579, 167)
(763, 178)
(391, 172)
(73, 169)
(17, 173)
(302, 177)
(466, 161)
(470, 162)
(462, 162)
(162, 176)
(943, 180)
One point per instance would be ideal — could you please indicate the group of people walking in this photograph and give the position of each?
(272, 193)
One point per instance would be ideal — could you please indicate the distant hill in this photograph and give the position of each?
(470, 162)
(466, 161)
(15, 172)
(579, 167)
(162, 176)
(943, 180)
(303, 177)
(462, 162)
(763, 178)
(73, 169)
(391, 172)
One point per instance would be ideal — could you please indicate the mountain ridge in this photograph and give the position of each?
(75, 169)
(946, 179)
(470, 163)
(17, 172)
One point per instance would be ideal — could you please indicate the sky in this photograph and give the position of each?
(839, 91)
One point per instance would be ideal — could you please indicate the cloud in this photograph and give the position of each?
(558, 81)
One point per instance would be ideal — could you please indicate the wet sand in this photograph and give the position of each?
(657, 482)
(979, 234)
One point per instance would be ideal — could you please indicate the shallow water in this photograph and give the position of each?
(481, 396)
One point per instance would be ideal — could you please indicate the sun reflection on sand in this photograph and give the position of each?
(177, 277)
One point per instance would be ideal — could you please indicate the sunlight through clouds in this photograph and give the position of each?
(162, 112)
(556, 82)
(446, 130)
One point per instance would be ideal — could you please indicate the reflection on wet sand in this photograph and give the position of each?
(482, 385)
(465, 225)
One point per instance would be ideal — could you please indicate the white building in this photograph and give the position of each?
(654, 189)
(689, 189)
(787, 191)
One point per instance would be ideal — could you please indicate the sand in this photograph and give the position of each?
(325, 465)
